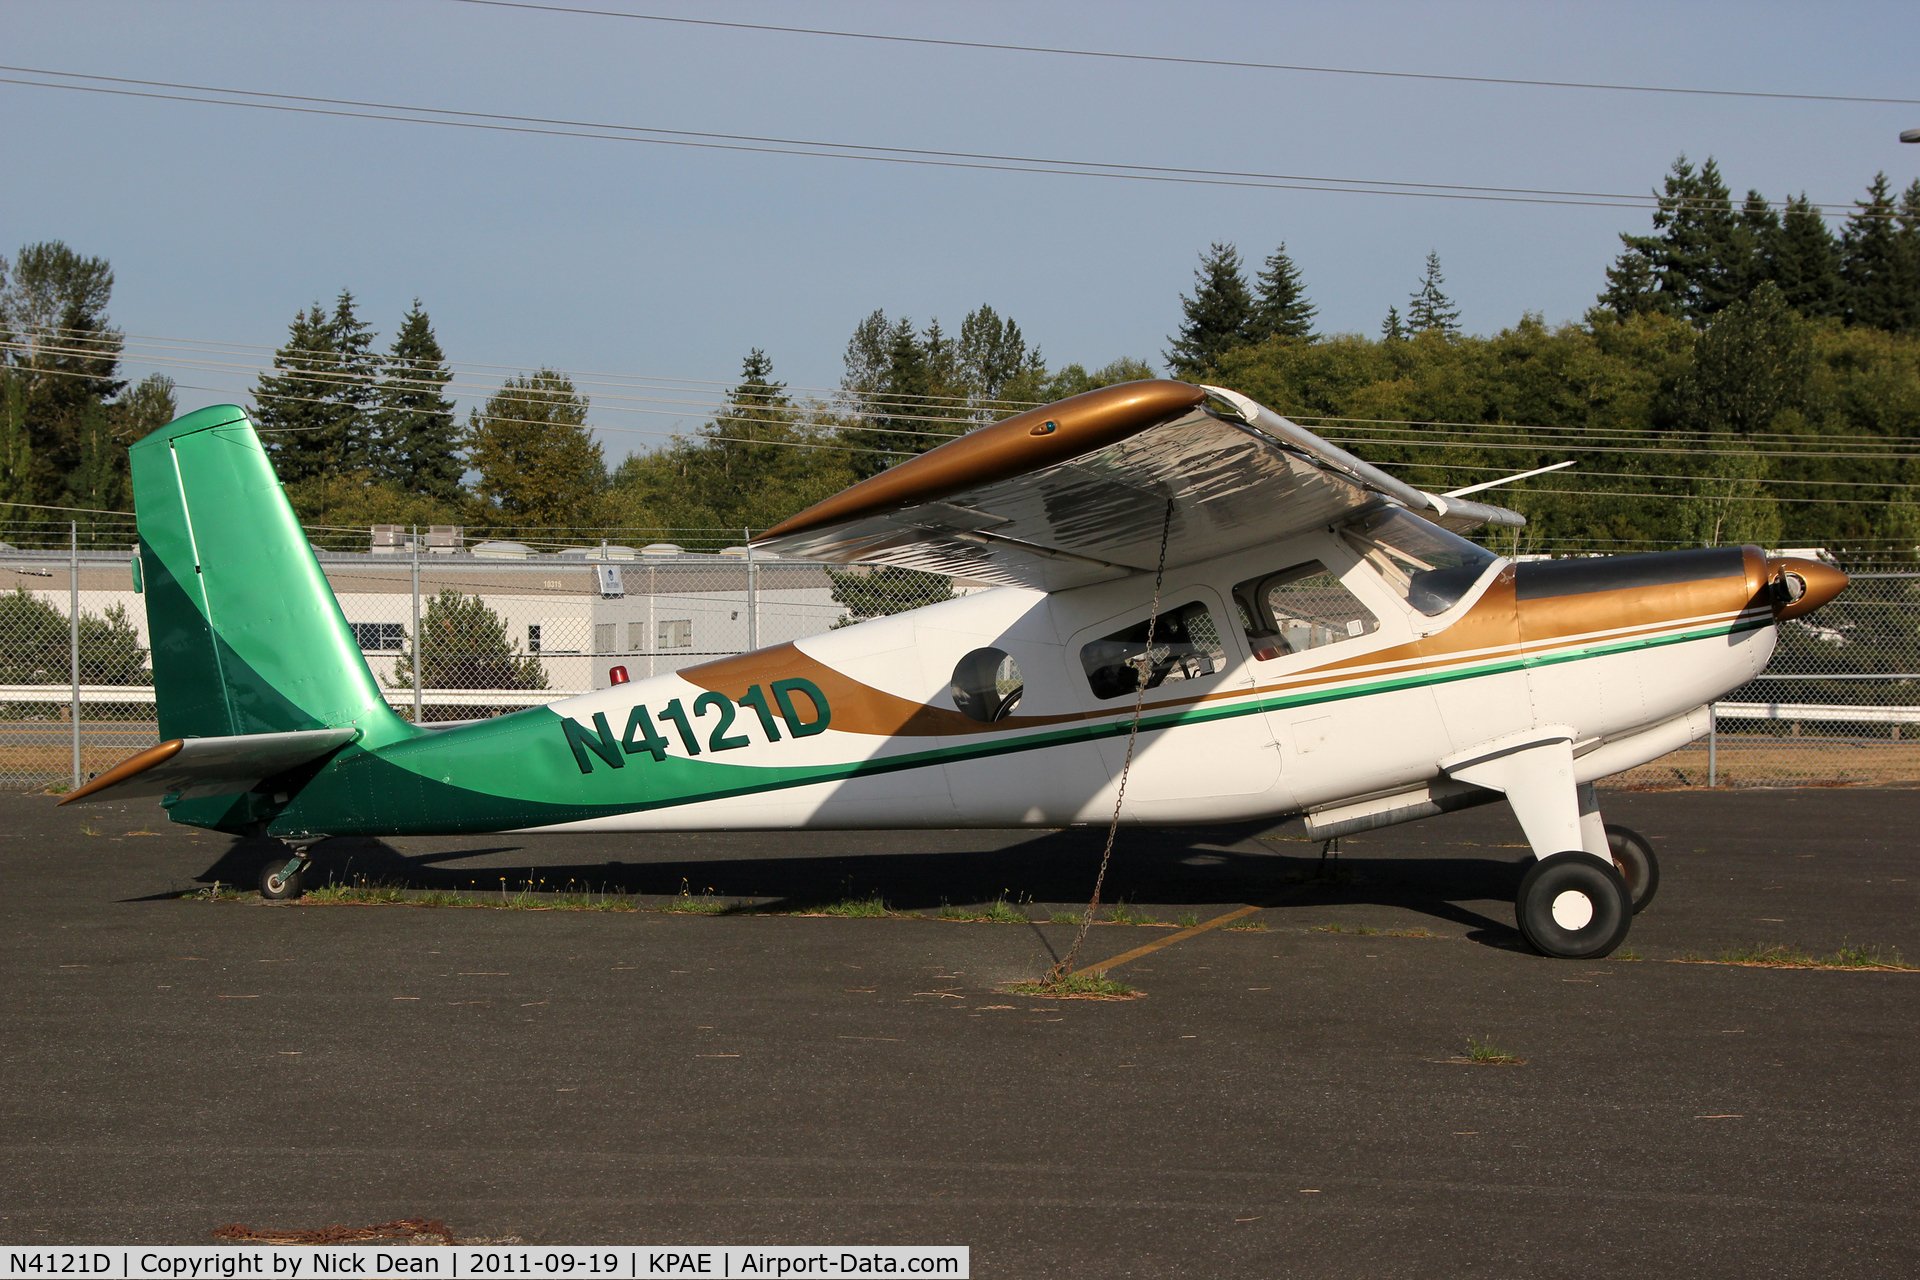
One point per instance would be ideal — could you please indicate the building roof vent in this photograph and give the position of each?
(499, 549)
(663, 549)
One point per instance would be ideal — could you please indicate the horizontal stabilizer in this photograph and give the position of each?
(211, 766)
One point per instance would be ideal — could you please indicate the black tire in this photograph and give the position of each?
(275, 886)
(1633, 859)
(1573, 906)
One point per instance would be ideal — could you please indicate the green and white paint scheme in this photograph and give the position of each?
(1433, 674)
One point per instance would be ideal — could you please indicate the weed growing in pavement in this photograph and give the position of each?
(216, 892)
(864, 908)
(1481, 1053)
(1344, 928)
(1187, 920)
(1628, 954)
(1248, 926)
(999, 911)
(1064, 917)
(1077, 986)
(1124, 914)
(1781, 956)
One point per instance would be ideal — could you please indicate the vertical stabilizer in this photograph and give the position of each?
(247, 636)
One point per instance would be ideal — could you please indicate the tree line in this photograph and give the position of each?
(1746, 373)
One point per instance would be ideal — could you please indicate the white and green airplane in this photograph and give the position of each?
(1290, 630)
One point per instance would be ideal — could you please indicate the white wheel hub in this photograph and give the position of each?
(1572, 910)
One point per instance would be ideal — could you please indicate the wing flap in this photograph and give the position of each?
(210, 766)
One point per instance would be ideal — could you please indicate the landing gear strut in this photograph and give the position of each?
(282, 881)
(1577, 900)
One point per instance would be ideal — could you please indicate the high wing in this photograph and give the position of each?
(1077, 492)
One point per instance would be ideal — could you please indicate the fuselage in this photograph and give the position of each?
(1281, 679)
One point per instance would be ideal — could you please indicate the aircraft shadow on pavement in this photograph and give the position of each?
(1161, 867)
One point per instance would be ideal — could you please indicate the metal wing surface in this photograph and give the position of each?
(1078, 492)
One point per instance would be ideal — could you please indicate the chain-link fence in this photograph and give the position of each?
(1838, 705)
(500, 626)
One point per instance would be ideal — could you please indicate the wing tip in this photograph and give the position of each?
(132, 767)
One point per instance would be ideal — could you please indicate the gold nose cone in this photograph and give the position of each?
(1818, 583)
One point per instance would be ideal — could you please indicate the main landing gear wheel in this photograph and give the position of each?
(1573, 906)
(1633, 859)
(278, 884)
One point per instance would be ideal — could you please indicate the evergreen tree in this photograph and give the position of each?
(1869, 260)
(758, 461)
(418, 434)
(357, 376)
(1802, 258)
(62, 369)
(1698, 259)
(1880, 260)
(906, 386)
(539, 465)
(1216, 316)
(992, 358)
(1280, 306)
(1391, 329)
(1632, 288)
(1429, 310)
(316, 412)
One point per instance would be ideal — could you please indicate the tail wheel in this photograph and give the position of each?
(278, 884)
(1633, 859)
(1573, 906)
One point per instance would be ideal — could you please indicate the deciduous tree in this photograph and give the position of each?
(539, 466)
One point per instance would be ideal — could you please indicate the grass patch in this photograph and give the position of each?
(1628, 954)
(1246, 926)
(1187, 920)
(1344, 928)
(1063, 917)
(1077, 986)
(359, 893)
(1482, 1053)
(1121, 913)
(862, 908)
(1782, 956)
(999, 911)
(216, 892)
(687, 905)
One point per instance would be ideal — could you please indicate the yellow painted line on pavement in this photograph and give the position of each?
(1168, 941)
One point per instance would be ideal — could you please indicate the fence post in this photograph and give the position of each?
(415, 646)
(73, 638)
(1713, 743)
(753, 600)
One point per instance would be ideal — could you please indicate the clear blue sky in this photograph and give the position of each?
(620, 257)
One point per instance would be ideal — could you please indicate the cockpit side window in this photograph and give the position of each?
(1299, 608)
(1430, 568)
(1186, 646)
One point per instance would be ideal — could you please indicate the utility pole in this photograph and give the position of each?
(415, 543)
(753, 600)
(73, 638)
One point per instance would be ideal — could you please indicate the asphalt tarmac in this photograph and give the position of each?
(1282, 1101)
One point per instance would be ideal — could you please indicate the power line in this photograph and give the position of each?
(1192, 62)
(871, 153)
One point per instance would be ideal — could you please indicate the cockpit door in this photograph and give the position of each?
(1203, 746)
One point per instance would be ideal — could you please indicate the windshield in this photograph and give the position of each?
(1429, 567)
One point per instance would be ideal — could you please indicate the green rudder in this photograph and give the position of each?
(247, 636)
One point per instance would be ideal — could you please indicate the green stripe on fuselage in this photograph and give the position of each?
(519, 770)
